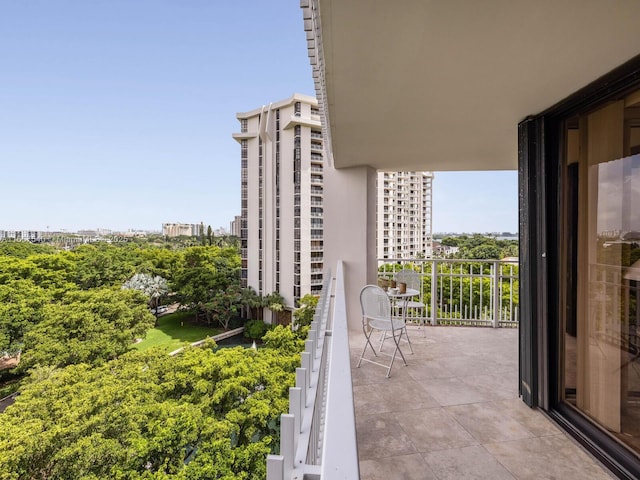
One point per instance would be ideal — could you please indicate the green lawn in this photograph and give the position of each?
(174, 330)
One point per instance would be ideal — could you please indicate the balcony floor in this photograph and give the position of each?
(454, 413)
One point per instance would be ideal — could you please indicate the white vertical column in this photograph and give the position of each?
(350, 230)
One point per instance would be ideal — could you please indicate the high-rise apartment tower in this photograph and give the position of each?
(281, 231)
(404, 222)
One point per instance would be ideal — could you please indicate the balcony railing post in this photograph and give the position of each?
(275, 467)
(301, 381)
(310, 348)
(434, 292)
(287, 443)
(306, 360)
(295, 409)
(496, 295)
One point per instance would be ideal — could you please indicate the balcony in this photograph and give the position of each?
(452, 412)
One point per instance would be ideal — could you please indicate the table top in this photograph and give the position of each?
(409, 293)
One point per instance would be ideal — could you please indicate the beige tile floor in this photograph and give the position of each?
(454, 413)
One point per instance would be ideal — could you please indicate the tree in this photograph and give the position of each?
(252, 301)
(48, 271)
(21, 308)
(99, 265)
(303, 315)
(223, 306)
(200, 415)
(153, 287)
(204, 272)
(274, 302)
(87, 327)
(210, 235)
(22, 249)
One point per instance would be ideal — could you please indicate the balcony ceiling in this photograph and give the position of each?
(442, 85)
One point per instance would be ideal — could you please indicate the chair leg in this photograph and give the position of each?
(397, 349)
(367, 344)
(408, 339)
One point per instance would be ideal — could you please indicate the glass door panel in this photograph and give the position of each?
(601, 351)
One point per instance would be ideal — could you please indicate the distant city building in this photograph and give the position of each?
(281, 224)
(235, 226)
(181, 229)
(404, 222)
(21, 235)
(443, 251)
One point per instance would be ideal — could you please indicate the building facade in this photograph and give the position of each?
(234, 226)
(404, 216)
(281, 226)
(556, 95)
(181, 229)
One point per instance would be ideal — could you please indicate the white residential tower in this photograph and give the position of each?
(281, 230)
(404, 220)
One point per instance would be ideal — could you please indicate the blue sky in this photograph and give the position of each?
(119, 113)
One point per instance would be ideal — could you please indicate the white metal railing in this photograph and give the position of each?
(318, 435)
(462, 292)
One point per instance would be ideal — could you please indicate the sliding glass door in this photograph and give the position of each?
(600, 267)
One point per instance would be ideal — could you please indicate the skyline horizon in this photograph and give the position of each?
(152, 230)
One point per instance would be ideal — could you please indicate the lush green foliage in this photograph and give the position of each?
(21, 307)
(200, 415)
(205, 274)
(481, 247)
(33, 277)
(22, 249)
(303, 315)
(154, 288)
(87, 327)
(255, 329)
(93, 407)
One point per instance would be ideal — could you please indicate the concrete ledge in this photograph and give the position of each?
(220, 336)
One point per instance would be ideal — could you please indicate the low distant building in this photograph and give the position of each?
(181, 229)
(443, 251)
(235, 226)
(21, 235)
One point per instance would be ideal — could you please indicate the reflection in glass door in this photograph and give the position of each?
(601, 348)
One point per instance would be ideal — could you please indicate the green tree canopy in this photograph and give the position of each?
(200, 415)
(22, 304)
(87, 327)
(22, 249)
(203, 273)
(303, 315)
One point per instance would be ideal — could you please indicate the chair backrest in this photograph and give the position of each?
(375, 303)
(410, 277)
